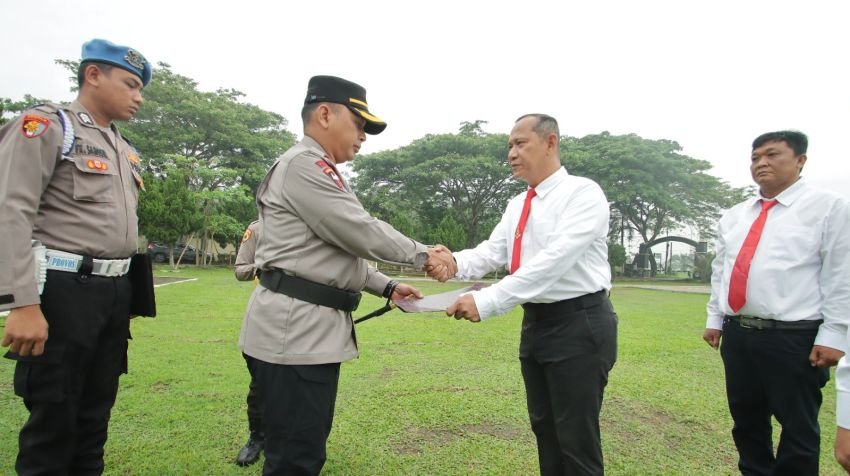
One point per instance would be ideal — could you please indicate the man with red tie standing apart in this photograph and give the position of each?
(780, 298)
(553, 237)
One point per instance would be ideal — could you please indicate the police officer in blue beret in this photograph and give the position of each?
(69, 192)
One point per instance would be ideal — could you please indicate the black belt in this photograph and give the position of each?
(308, 291)
(535, 310)
(753, 322)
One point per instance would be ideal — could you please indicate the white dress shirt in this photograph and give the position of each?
(564, 247)
(801, 267)
(842, 387)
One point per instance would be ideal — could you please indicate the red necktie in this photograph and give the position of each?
(520, 228)
(738, 280)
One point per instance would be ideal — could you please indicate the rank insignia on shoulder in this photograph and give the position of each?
(247, 235)
(85, 118)
(330, 172)
(133, 158)
(34, 125)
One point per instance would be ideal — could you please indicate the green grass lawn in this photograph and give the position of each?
(428, 395)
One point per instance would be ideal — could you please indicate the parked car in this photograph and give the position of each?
(159, 252)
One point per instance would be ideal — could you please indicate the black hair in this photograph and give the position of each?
(308, 109)
(796, 140)
(81, 71)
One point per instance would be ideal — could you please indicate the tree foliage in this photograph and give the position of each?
(208, 151)
(171, 209)
(10, 108)
(651, 184)
(218, 145)
(616, 257)
(440, 185)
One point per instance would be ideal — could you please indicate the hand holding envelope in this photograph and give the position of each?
(458, 303)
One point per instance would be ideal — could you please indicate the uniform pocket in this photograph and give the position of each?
(41, 378)
(93, 179)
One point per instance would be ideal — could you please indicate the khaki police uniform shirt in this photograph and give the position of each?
(313, 226)
(82, 203)
(245, 269)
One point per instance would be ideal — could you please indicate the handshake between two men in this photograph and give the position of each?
(441, 266)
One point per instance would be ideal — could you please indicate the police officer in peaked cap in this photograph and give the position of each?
(71, 182)
(312, 254)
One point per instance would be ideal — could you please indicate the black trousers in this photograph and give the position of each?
(768, 374)
(297, 403)
(566, 351)
(70, 389)
(255, 418)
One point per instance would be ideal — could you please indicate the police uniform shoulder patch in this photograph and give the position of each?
(247, 235)
(330, 172)
(34, 125)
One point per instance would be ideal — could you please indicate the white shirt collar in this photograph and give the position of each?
(549, 183)
(787, 196)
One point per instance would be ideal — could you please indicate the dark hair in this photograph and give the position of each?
(796, 140)
(308, 109)
(546, 125)
(81, 71)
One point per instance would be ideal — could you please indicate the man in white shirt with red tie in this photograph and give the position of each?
(780, 299)
(554, 236)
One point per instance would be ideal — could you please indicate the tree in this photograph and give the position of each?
(234, 141)
(616, 257)
(168, 210)
(9, 108)
(228, 214)
(463, 176)
(651, 184)
(450, 233)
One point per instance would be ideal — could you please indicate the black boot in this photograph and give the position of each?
(250, 453)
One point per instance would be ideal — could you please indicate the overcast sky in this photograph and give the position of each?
(709, 75)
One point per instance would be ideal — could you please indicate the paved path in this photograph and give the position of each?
(696, 289)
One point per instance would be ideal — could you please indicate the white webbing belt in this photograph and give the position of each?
(70, 262)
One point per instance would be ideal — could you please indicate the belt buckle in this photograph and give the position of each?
(753, 323)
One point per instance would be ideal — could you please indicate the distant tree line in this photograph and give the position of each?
(204, 154)
(452, 188)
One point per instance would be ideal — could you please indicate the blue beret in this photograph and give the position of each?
(124, 57)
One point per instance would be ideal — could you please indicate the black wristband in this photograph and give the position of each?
(388, 291)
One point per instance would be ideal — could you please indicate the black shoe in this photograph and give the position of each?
(250, 453)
